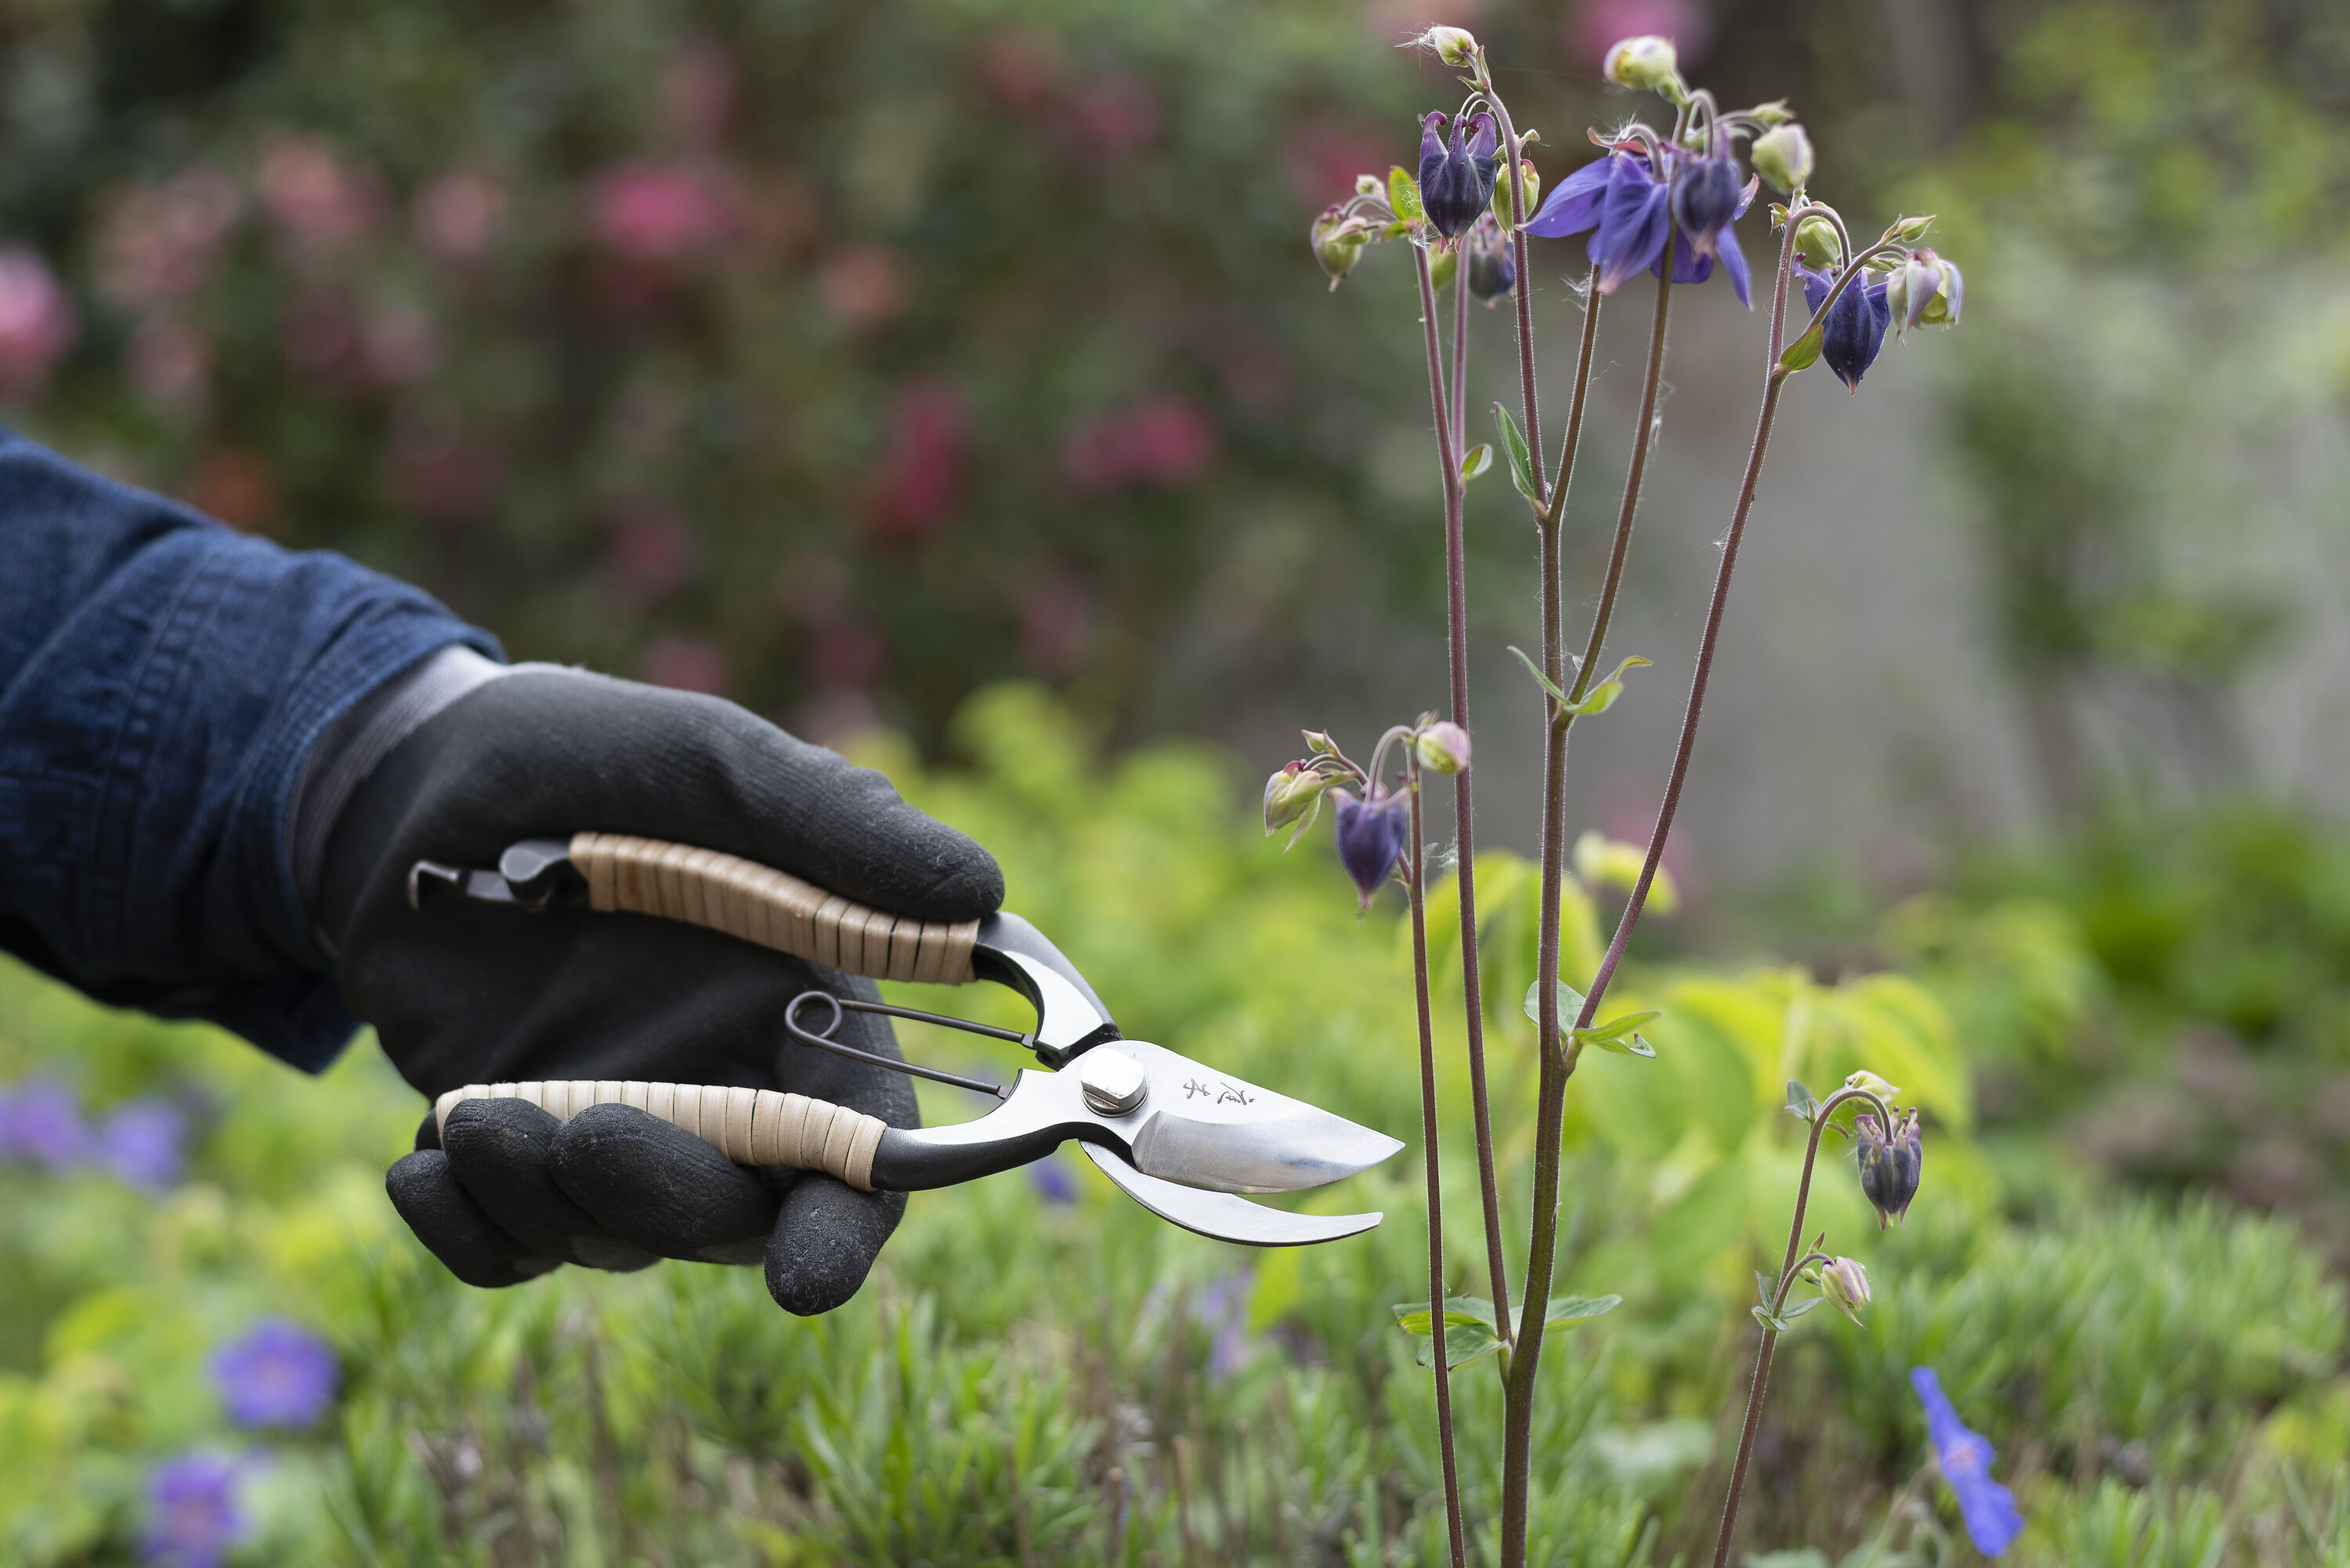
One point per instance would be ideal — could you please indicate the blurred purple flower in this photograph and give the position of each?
(140, 1143)
(192, 1518)
(37, 321)
(1223, 1307)
(41, 1121)
(1964, 1457)
(277, 1374)
(1370, 839)
(649, 211)
(1052, 1180)
(1853, 333)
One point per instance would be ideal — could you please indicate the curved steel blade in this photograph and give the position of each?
(1206, 1128)
(1222, 1216)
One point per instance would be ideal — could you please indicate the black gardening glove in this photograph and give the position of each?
(465, 992)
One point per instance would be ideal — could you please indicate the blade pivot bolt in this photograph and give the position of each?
(1114, 1082)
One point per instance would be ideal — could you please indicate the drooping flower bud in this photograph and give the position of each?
(1529, 189)
(1870, 1082)
(1294, 794)
(1705, 197)
(1492, 267)
(1853, 333)
(1890, 1165)
(1370, 839)
(1645, 64)
(1845, 1285)
(1909, 231)
(1456, 182)
(1925, 290)
(1338, 241)
(1369, 185)
(1456, 47)
(1817, 241)
(1783, 155)
(1443, 746)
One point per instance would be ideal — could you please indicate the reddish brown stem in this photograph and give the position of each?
(1418, 876)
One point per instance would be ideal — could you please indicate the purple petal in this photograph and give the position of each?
(1733, 262)
(1815, 289)
(1573, 205)
(1634, 219)
(1483, 138)
(1746, 197)
(1689, 266)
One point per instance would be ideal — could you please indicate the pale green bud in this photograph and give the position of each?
(1369, 185)
(1784, 157)
(1456, 47)
(1845, 1285)
(1866, 1080)
(1293, 794)
(1338, 241)
(1817, 242)
(1909, 231)
(1530, 187)
(1647, 64)
(1442, 747)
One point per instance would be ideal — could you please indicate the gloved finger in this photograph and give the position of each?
(498, 1151)
(469, 1244)
(660, 1188)
(825, 1242)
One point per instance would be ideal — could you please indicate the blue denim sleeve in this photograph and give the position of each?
(163, 679)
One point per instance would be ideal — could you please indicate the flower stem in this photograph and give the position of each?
(1417, 884)
(1755, 1389)
(1461, 366)
(1464, 807)
(1642, 440)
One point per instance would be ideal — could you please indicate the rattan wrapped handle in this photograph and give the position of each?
(773, 909)
(748, 1127)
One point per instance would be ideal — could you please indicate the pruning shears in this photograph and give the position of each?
(1178, 1136)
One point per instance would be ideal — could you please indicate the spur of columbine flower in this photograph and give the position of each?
(1456, 182)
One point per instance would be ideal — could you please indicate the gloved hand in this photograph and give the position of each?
(465, 992)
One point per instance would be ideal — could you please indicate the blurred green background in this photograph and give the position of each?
(950, 379)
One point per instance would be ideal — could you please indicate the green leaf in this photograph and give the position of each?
(1403, 195)
(1396, 230)
(1535, 671)
(1570, 1001)
(1602, 697)
(1412, 1317)
(1616, 1035)
(1440, 269)
(1762, 1316)
(1797, 1309)
(1800, 1104)
(1521, 462)
(1804, 350)
(1564, 1311)
(1463, 1344)
(1476, 460)
(1470, 1332)
(1764, 1287)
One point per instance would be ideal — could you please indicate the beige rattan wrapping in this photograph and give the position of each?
(773, 909)
(748, 1127)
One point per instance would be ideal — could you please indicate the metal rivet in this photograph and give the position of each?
(1115, 1082)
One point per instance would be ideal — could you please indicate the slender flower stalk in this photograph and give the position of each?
(1787, 1274)
(1416, 880)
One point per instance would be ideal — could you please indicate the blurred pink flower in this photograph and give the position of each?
(401, 343)
(37, 321)
(170, 362)
(316, 330)
(684, 662)
(321, 201)
(1595, 26)
(1322, 158)
(1020, 67)
(1056, 624)
(648, 211)
(652, 553)
(457, 215)
(1117, 116)
(1166, 441)
(917, 487)
(861, 285)
(697, 93)
(846, 655)
(157, 243)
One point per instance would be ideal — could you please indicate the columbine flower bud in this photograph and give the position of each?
(1872, 1084)
(1493, 268)
(1925, 290)
(1645, 64)
(1909, 231)
(1370, 839)
(1444, 745)
(1784, 157)
(1338, 241)
(1456, 182)
(1705, 197)
(1456, 47)
(1890, 1165)
(1292, 794)
(1370, 185)
(1845, 1285)
(1817, 241)
(1529, 187)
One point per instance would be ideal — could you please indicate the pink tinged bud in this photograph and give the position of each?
(1846, 1285)
(1294, 795)
(1442, 747)
(1338, 241)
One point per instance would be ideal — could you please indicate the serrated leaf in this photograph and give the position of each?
(1478, 459)
(1800, 1103)
(1521, 462)
(1570, 1002)
(1403, 195)
(1602, 697)
(1564, 1311)
(1535, 671)
(1804, 350)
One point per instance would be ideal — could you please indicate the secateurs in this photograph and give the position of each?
(1178, 1136)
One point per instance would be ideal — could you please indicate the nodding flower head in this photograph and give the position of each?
(1338, 241)
(1925, 290)
(1783, 155)
(1443, 746)
(1294, 794)
(1845, 1285)
(1705, 197)
(1456, 181)
(1370, 836)
(1630, 214)
(1853, 333)
(1891, 1161)
(1493, 268)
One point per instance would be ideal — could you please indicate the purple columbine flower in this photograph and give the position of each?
(192, 1513)
(1853, 333)
(1706, 197)
(1629, 212)
(1370, 839)
(1891, 1163)
(140, 1143)
(41, 1121)
(1493, 268)
(277, 1374)
(1964, 1457)
(1456, 182)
